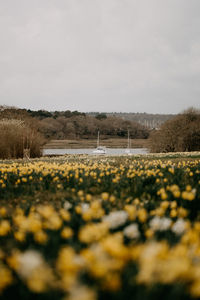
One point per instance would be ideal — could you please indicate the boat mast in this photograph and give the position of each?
(128, 140)
(98, 140)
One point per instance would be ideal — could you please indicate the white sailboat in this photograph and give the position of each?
(99, 149)
(128, 150)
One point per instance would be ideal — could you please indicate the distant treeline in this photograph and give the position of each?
(151, 121)
(74, 125)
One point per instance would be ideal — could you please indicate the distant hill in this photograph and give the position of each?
(148, 120)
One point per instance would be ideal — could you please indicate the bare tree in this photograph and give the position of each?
(182, 133)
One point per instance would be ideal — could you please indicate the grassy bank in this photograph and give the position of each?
(110, 143)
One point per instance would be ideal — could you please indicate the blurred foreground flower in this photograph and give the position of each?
(116, 219)
(131, 231)
(32, 268)
(179, 226)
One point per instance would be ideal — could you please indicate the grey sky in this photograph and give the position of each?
(100, 55)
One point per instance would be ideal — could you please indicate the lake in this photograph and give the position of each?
(110, 151)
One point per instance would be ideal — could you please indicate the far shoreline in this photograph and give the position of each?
(92, 143)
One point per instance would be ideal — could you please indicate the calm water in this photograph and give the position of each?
(110, 151)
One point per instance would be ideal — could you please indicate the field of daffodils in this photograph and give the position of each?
(100, 228)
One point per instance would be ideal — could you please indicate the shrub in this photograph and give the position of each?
(16, 136)
(182, 133)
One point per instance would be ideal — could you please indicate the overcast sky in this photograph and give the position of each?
(100, 55)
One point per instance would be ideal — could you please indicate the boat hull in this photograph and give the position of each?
(99, 150)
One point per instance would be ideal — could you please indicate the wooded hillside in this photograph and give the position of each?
(75, 125)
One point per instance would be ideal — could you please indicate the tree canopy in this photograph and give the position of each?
(182, 133)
